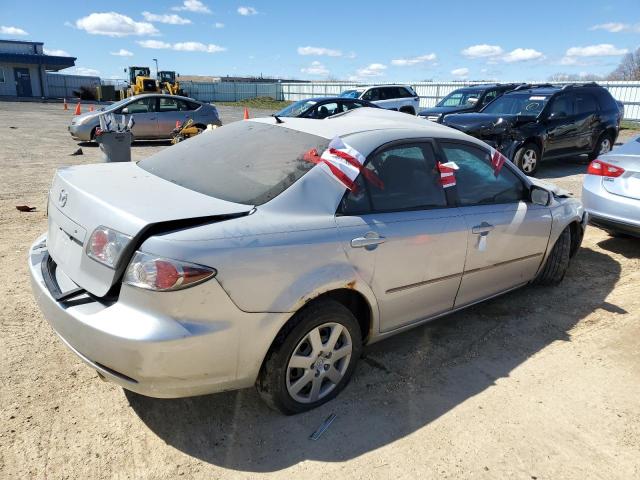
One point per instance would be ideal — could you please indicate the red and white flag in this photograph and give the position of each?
(447, 174)
(497, 161)
(344, 163)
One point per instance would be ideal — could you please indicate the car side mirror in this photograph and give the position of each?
(540, 196)
(125, 111)
(554, 115)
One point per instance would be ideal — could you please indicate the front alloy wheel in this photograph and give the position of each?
(529, 160)
(319, 363)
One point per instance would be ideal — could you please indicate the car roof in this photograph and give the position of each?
(163, 95)
(322, 99)
(374, 126)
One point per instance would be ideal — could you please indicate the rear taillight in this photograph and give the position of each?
(164, 274)
(604, 169)
(106, 245)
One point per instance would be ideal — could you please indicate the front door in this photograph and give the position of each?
(23, 82)
(402, 237)
(145, 116)
(561, 126)
(507, 234)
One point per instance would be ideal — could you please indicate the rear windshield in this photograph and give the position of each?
(243, 162)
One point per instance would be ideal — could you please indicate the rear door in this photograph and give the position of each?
(587, 119)
(402, 237)
(170, 112)
(561, 126)
(507, 235)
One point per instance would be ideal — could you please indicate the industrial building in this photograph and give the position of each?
(24, 67)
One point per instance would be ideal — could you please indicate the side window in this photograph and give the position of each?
(372, 95)
(185, 106)
(403, 177)
(585, 104)
(168, 104)
(562, 104)
(490, 96)
(326, 110)
(476, 181)
(144, 105)
(351, 105)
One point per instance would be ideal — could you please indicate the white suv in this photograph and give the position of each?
(392, 97)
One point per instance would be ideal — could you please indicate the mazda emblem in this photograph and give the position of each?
(62, 198)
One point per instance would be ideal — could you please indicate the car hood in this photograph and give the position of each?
(433, 111)
(125, 198)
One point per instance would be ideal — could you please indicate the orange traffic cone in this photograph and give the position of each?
(78, 109)
(91, 108)
(178, 124)
(64, 105)
(246, 113)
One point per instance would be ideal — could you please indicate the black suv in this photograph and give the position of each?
(533, 122)
(466, 99)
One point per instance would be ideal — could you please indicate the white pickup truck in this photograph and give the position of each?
(392, 97)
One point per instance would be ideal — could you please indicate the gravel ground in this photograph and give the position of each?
(542, 383)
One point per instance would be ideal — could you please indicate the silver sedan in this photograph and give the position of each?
(155, 116)
(268, 252)
(611, 190)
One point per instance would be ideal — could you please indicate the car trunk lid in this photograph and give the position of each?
(125, 198)
(627, 184)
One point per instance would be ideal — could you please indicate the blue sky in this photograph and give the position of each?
(358, 40)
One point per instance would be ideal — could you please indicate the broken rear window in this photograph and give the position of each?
(243, 162)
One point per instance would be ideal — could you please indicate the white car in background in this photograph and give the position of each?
(402, 98)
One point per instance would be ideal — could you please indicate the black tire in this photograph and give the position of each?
(272, 380)
(523, 158)
(408, 110)
(557, 262)
(605, 137)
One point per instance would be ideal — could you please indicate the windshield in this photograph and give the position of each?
(517, 104)
(296, 109)
(459, 98)
(351, 93)
(243, 162)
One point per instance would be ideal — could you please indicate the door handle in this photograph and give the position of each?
(482, 229)
(369, 240)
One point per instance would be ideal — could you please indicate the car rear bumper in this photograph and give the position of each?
(161, 344)
(610, 211)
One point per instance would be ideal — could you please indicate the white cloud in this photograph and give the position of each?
(219, 25)
(601, 50)
(246, 11)
(192, 6)
(56, 52)
(482, 50)
(319, 51)
(407, 62)
(372, 70)
(522, 55)
(182, 46)
(616, 27)
(460, 72)
(171, 19)
(316, 68)
(88, 72)
(114, 24)
(122, 53)
(12, 31)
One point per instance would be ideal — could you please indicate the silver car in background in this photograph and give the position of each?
(247, 256)
(155, 116)
(611, 190)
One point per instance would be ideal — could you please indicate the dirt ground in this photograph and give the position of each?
(542, 383)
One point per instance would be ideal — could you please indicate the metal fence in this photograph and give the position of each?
(231, 91)
(431, 93)
(64, 86)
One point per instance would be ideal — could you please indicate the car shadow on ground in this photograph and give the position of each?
(137, 143)
(563, 167)
(627, 246)
(401, 384)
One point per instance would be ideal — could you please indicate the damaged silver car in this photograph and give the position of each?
(268, 252)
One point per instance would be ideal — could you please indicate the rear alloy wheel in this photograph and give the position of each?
(603, 146)
(527, 158)
(312, 359)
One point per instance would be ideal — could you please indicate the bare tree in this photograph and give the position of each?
(629, 68)
(574, 77)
